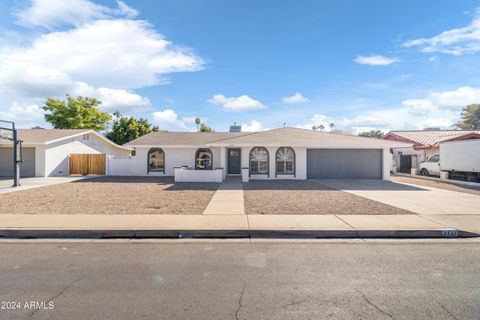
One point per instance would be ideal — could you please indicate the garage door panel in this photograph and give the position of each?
(344, 164)
(27, 168)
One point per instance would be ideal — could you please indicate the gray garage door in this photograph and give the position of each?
(344, 164)
(27, 168)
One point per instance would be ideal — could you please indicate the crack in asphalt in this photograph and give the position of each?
(293, 303)
(240, 299)
(447, 311)
(62, 291)
(373, 305)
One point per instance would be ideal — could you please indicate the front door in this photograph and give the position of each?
(234, 161)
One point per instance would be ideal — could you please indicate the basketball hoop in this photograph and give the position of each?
(9, 133)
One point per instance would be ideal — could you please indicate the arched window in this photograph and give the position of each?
(285, 160)
(203, 159)
(259, 160)
(156, 160)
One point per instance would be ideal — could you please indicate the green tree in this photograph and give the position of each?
(470, 117)
(332, 125)
(75, 113)
(126, 129)
(205, 128)
(378, 134)
(198, 122)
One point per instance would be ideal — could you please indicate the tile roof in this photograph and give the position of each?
(44, 135)
(275, 137)
(431, 137)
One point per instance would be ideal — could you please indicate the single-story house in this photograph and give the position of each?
(48, 152)
(285, 153)
(425, 144)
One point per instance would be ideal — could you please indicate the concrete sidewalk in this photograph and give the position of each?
(241, 225)
(228, 199)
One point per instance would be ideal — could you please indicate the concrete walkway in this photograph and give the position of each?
(415, 198)
(38, 182)
(341, 226)
(228, 199)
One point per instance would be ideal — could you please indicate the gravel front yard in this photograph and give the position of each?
(112, 195)
(307, 197)
(437, 184)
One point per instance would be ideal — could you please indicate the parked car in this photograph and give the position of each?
(431, 167)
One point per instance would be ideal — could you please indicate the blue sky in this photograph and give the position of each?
(360, 64)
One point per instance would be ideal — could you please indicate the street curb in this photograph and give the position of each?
(267, 234)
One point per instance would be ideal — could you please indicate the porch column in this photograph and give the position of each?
(223, 161)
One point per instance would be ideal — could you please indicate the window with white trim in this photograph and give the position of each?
(259, 160)
(285, 160)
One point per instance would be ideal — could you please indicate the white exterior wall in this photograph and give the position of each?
(300, 164)
(178, 157)
(57, 154)
(386, 164)
(40, 161)
(174, 157)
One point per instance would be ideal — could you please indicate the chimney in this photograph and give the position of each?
(235, 128)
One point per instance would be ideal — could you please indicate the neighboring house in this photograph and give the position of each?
(46, 152)
(425, 145)
(286, 153)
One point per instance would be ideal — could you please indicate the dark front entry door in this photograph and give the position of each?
(234, 161)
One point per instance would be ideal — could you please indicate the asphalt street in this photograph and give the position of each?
(240, 280)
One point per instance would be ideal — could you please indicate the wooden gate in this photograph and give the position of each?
(88, 164)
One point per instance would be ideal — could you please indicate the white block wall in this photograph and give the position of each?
(185, 175)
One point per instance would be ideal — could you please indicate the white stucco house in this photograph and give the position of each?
(46, 152)
(285, 153)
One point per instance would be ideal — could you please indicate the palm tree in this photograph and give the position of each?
(197, 122)
(332, 126)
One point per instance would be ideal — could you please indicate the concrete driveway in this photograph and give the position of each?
(418, 199)
(37, 182)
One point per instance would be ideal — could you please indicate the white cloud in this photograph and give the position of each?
(418, 107)
(54, 13)
(104, 55)
(364, 121)
(242, 103)
(458, 41)
(98, 53)
(23, 115)
(315, 121)
(169, 119)
(437, 109)
(455, 99)
(119, 99)
(297, 98)
(28, 80)
(254, 126)
(433, 59)
(375, 60)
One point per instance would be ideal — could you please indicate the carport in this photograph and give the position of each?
(344, 163)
